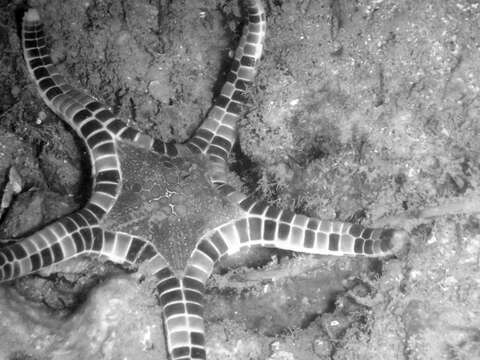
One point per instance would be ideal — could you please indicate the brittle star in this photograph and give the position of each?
(151, 201)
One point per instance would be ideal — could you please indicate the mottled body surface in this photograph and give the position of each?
(169, 202)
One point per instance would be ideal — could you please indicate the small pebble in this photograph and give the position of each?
(147, 340)
(15, 91)
(322, 347)
(181, 210)
(123, 38)
(159, 91)
(41, 117)
(275, 346)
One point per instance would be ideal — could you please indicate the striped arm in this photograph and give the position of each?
(126, 133)
(284, 230)
(92, 120)
(73, 235)
(267, 226)
(63, 239)
(216, 135)
(182, 304)
(69, 237)
(181, 300)
(83, 113)
(121, 131)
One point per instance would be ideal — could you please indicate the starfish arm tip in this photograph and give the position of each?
(32, 15)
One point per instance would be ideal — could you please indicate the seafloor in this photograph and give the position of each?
(365, 110)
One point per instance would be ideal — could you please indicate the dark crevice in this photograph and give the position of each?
(19, 13)
(313, 148)
(85, 181)
(257, 259)
(308, 319)
(164, 14)
(376, 267)
(248, 170)
(119, 94)
(331, 303)
(123, 12)
(133, 110)
(273, 3)
(336, 20)
(66, 294)
(89, 24)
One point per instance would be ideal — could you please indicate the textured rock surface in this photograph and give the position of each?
(118, 321)
(361, 110)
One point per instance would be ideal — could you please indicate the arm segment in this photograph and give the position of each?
(90, 119)
(216, 136)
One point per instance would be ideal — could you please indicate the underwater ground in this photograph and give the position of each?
(365, 111)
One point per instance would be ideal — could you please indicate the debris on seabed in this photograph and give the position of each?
(13, 187)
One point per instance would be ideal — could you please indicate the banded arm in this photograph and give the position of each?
(293, 232)
(182, 304)
(265, 225)
(82, 112)
(216, 136)
(90, 119)
(268, 226)
(70, 237)
(73, 236)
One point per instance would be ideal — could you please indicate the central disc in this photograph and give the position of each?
(168, 202)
